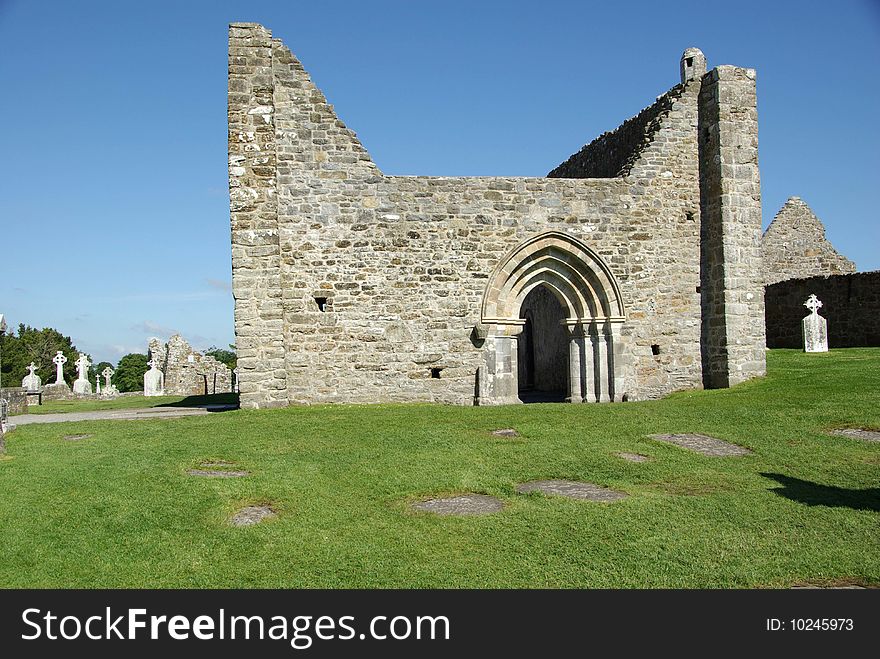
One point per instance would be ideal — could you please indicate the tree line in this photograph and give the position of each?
(41, 345)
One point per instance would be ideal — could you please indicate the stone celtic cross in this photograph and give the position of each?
(82, 364)
(813, 303)
(32, 368)
(59, 360)
(107, 373)
(815, 327)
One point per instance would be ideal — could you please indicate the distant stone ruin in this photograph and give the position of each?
(187, 372)
(794, 246)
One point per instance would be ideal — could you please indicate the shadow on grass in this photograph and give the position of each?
(212, 402)
(813, 494)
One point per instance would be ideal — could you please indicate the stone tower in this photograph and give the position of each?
(631, 270)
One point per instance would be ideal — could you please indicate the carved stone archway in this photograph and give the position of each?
(585, 286)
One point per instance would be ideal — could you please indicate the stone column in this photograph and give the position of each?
(591, 348)
(603, 385)
(614, 351)
(575, 361)
(501, 383)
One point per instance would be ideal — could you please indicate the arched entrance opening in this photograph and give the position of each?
(553, 280)
(542, 350)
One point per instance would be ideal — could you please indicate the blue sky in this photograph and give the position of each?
(114, 221)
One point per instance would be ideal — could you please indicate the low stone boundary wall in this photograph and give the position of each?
(850, 304)
(17, 399)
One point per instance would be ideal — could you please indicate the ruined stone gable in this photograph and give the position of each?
(794, 246)
(354, 286)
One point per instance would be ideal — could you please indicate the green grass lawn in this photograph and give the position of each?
(130, 402)
(118, 510)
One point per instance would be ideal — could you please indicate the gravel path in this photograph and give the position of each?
(116, 415)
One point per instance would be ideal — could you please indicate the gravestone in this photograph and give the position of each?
(465, 504)
(815, 327)
(31, 381)
(154, 380)
(82, 385)
(58, 390)
(571, 490)
(109, 389)
(59, 360)
(97, 384)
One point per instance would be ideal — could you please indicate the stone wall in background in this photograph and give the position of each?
(795, 246)
(850, 304)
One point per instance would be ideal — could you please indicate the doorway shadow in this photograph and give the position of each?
(211, 402)
(814, 494)
(534, 396)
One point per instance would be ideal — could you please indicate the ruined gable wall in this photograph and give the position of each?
(795, 246)
(403, 261)
(614, 153)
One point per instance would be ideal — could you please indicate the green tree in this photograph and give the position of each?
(129, 374)
(228, 357)
(39, 347)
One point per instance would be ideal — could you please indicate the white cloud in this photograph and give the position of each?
(150, 328)
(220, 284)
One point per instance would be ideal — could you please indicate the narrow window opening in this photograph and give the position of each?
(689, 216)
(655, 349)
(322, 303)
(689, 62)
(698, 289)
(435, 373)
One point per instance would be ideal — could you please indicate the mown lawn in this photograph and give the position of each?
(118, 510)
(130, 402)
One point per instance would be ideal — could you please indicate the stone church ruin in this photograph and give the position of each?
(631, 270)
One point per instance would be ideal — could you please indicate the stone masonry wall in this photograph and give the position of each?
(614, 153)
(795, 246)
(16, 398)
(731, 280)
(351, 286)
(256, 257)
(850, 304)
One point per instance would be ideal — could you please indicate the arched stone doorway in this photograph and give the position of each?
(584, 287)
(542, 349)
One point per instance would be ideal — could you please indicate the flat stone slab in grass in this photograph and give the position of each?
(572, 490)
(76, 438)
(633, 457)
(465, 504)
(858, 433)
(217, 469)
(217, 473)
(716, 448)
(505, 432)
(250, 515)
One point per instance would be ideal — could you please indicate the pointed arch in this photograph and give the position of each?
(585, 286)
(579, 277)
